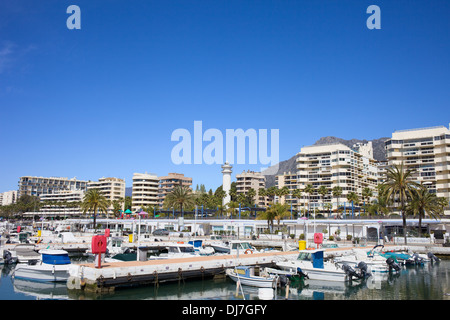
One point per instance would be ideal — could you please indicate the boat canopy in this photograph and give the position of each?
(314, 256)
(57, 257)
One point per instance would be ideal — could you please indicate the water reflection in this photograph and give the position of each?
(428, 282)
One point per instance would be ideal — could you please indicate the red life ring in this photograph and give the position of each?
(248, 250)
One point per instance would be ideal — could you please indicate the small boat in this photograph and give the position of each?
(177, 250)
(252, 276)
(311, 265)
(53, 267)
(25, 253)
(375, 263)
(201, 249)
(233, 246)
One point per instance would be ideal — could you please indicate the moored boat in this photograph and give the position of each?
(311, 264)
(252, 276)
(53, 267)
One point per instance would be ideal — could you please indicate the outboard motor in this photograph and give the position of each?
(432, 257)
(392, 264)
(362, 266)
(417, 259)
(8, 257)
(301, 273)
(349, 271)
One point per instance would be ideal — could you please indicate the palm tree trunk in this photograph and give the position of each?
(402, 201)
(95, 224)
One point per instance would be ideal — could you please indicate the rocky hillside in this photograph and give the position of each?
(379, 153)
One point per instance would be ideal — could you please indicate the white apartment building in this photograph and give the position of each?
(8, 197)
(335, 165)
(61, 203)
(145, 190)
(112, 188)
(427, 150)
(35, 186)
(251, 180)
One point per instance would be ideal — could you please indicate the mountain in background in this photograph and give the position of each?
(379, 153)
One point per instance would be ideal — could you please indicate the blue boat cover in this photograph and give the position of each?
(317, 259)
(55, 259)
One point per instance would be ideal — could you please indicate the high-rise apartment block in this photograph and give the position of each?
(251, 180)
(427, 151)
(145, 191)
(35, 186)
(112, 188)
(167, 183)
(7, 198)
(331, 165)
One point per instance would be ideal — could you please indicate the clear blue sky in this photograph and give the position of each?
(104, 100)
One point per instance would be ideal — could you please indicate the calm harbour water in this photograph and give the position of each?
(428, 282)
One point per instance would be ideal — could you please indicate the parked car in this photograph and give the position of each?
(161, 232)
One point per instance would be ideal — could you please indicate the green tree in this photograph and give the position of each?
(309, 189)
(94, 201)
(337, 192)
(366, 195)
(180, 196)
(399, 186)
(423, 202)
(297, 194)
(323, 191)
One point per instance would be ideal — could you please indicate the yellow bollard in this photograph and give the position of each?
(39, 233)
(302, 245)
(130, 238)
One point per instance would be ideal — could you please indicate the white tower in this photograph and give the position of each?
(226, 182)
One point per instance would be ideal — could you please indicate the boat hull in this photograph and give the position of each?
(259, 282)
(42, 273)
(325, 274)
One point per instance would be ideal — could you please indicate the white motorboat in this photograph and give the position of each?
(233, 246)
(311, 264)
(201, 249)
(177, 250)
(252, 276)
(25, 253)
(53, 267)
(375, 263)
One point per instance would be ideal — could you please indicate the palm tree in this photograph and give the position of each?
(323, 191)
(232, 206)
(366, 194)
(251, 193)
(337, 192)
(94, 200)
(297, 193)
(309, 189)
(283, 192)
(423, 202)
(352, 197)
(399, 185)
(181, 196)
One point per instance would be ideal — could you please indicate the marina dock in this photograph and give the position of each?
(135, 273)
(112, 275)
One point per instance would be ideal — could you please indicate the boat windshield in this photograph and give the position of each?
(246, 245)
(187, 249)
(305, 256)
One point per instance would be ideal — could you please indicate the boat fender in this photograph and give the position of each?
(248, 250)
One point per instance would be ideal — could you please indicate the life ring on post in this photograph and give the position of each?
(248, 250)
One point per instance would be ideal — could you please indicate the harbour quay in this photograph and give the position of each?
(112, 275)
